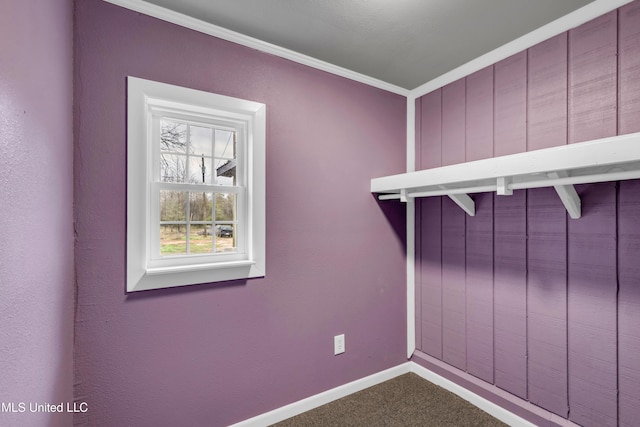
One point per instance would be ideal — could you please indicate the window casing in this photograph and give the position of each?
(195, 187)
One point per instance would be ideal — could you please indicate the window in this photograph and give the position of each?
(195, 187)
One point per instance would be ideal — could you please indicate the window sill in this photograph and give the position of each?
(168, 277)
(199, 267)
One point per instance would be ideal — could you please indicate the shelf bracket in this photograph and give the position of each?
(503, 184)
(464, 201)
(568, 195)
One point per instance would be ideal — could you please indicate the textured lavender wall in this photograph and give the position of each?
(519, 296)
(36, 213)
(220, 353)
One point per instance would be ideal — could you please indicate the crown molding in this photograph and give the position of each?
(167, 15)
(560, 25)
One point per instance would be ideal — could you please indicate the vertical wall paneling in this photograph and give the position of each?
(547, 94)
(431, 130)
(562, 315)
(629, 303)
(479, 230)
(592, 290)
(453, 231)
(453, 285)
(629, 69)
(430, 276)
(510, 110)
(479, 115)
(417, 321)
(479, 286)
(592, 79)
(510, 293)
(547, 300)
(453, 119)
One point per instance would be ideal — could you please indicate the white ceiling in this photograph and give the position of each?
(402, 42)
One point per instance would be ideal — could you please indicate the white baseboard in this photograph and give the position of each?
(328, 396)
(323, 398)
(482, 403)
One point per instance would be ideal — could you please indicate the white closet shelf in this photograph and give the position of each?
(607, 159)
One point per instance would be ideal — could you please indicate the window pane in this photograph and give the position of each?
(225, 207)
(201, 206)
(225, 172)
(200, 170)
(201, 141)
(225, 238)
(225, 144)
(201, 239)
(173, 206)
(173, 136)
(173, 168)
(173, 239)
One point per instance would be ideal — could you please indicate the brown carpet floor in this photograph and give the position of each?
(407, 400)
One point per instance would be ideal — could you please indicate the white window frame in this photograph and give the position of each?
(146, 99)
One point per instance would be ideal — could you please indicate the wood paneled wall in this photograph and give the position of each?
(520, 296)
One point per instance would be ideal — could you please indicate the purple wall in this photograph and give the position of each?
(219, 353)
(519, 296)
(36, 189)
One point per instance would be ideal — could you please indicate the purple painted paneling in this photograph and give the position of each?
(36, 213)
(547, 300)
(510, 293)
(510, 105)
(417, 303)
(430, 279)
(479, 115)
(554, 303)
(453, 118)
(453, 284)
(592, 79)
(592, 308)
(431, 130)
(479, 285)
(519, 407)
(629, 303)
(629, 68)
(547, 94)
(222, 353)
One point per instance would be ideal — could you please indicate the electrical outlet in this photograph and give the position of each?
(338, 344)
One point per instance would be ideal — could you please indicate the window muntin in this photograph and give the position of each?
(201, 219)
(198, 187)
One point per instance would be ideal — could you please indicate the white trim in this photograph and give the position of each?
(476, 400)
(567, 22)
(241, 39)
(410, 230)
(197, 267)
(323, 398)
(560, 25)
(143, 271)
(339, 392)
(411, 277)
